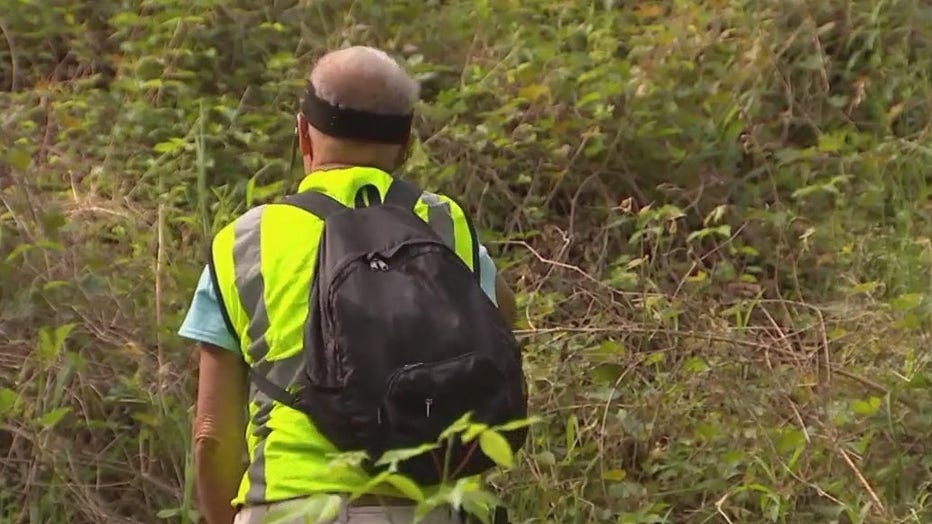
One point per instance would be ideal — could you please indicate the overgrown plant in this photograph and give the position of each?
(716, 214)
(455, 493)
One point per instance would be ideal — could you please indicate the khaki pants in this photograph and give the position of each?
(350, 514)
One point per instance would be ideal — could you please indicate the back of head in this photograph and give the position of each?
(365, 79)
(370, 84)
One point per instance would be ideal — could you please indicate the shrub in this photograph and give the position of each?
(716, 215)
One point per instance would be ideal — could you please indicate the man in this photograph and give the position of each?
(287, 453)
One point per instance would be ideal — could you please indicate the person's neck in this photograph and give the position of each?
(327, 166)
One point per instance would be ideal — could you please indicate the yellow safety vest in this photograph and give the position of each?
(262, 266)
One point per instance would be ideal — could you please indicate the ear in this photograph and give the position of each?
(406, 150)
(304, 142)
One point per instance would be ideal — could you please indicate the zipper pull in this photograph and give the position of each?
(376, 263)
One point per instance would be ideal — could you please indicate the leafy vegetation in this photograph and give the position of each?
(461, 493)
(716, 214)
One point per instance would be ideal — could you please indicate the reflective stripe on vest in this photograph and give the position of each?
(263, 279)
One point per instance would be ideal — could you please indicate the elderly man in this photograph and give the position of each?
(262, 312)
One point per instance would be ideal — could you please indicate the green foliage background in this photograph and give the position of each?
(716, 214)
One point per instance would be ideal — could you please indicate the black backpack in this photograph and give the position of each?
(401, 341)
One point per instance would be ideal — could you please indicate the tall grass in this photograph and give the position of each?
(715, 213)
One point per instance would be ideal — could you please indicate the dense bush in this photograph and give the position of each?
(716, 214)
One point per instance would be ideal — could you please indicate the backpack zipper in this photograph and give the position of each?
(391, 381)
(377, 264)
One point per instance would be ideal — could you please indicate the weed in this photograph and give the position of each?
(716, 214)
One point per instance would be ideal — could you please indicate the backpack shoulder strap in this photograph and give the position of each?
(271, 389)
(402, 194)
(315, 203)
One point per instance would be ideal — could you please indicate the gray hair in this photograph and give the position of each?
(366, 79)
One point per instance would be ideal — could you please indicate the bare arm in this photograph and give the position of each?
(219, 432)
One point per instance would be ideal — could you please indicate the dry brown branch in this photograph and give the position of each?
(878, 505)
(14, 60)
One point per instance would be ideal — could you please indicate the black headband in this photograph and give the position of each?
(343, 122)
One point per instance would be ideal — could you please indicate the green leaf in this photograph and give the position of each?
(517, 424)
(906, 302)
(534, 91)
(19, 159)
(695, 365)
(864, 287)
(830, 143)
(53, 284)
(148, 419)
(496, 448)
(263, 193)
(607, 373)
(909, 321)
(572, 428)
(460, 426)
(866, 408)
(614, 475)
(19, 251)
(791, 439)
(377, 480)
(655, 358)
(171, 146)
(715, 215)
(8, 401)
(473, 431)
(62, 332)
(168, 513)
(546, 458)
(611, 348)
(400, 455)
(50, 419)
(479, 503)
(707, 431)
(920, 381)
(51, 341)
(406, 486)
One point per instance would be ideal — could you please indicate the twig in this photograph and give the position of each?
(902, 399)
(825, 349)
(776, 326)
(159, 264)
(641, 330)
(802, 424)
(608, 404)
(14, 62)
(545, 260)
(863, 380)
(861, 479)
(718, 507)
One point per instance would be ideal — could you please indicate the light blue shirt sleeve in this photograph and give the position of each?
(204, 321)
(487, 273)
